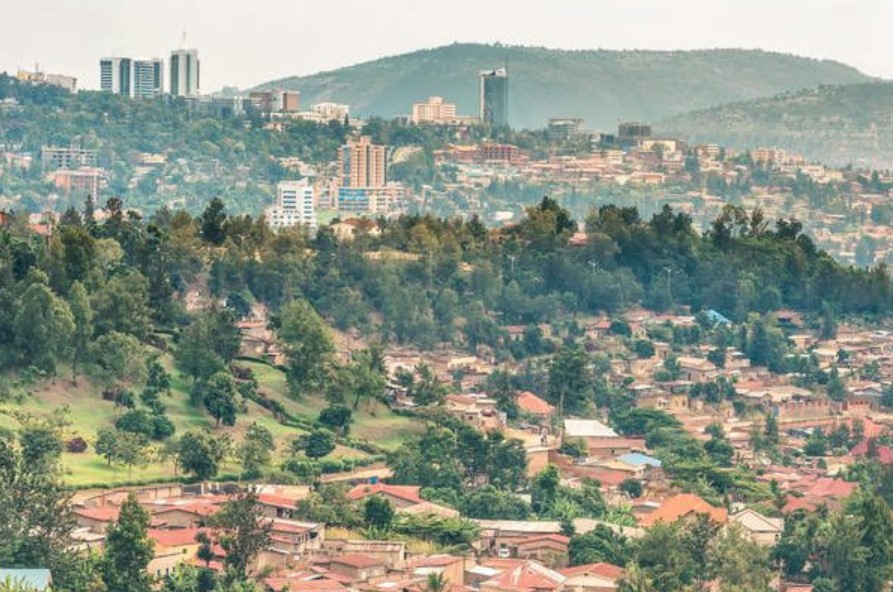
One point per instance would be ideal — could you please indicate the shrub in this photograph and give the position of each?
(76, 444)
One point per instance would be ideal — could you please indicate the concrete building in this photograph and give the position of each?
(114, 75)
(148, 78)
(53, 158)
(86, 181)
(268, 102)
(362, 163)
(495, 97)
(132, 77)
(69, 83)
(185, 73)
(294, 206)
(434, 111)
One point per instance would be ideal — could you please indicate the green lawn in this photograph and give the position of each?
(87, 413)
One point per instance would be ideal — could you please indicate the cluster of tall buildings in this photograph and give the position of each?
(144, 78)
(494, 104)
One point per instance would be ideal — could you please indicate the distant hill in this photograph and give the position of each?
(833, 124)
(600, 86)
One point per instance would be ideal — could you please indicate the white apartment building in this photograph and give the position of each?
(294, 206)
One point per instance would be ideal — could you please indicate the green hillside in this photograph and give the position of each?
(600, 86)
(832, 124)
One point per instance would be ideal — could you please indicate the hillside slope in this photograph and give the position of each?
(832, 124)
(600, 86)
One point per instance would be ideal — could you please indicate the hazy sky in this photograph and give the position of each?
(245, 42)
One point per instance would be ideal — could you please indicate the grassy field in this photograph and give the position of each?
(86, 413)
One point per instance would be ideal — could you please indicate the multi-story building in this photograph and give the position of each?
(362, 164)
(114, 75)
(495, 97)
(53, 158)
(434, 110)
(86, 180)
(185, 73)
(275, 101)
(69, 83)
(148, 78)
(132, 77)
(294, 206)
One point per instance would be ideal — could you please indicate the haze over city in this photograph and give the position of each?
(243, 44)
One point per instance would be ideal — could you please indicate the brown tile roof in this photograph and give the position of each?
(682, 505)
(177, 537)
(605, 570)
(408, 493)
(530, 403)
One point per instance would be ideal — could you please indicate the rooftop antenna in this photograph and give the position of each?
(183, 40)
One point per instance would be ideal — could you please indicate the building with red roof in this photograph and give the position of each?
(592, 577)
(399, 495)
(683, 506)
(529, 576)
(882, 453)
(533, 405)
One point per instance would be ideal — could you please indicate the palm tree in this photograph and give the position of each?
(436, 583)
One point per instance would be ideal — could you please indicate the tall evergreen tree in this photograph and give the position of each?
(128, 550)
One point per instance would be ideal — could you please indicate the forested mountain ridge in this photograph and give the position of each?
(837, 125)
(599, 86)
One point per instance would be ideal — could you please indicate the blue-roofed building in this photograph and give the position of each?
(637, 459)
(27, 579)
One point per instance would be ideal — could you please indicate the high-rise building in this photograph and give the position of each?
(294, 205)
(53, 158)
(363, 164)
(185, 73)
(495, 97)
(148, 78)
(132, 77)
(114, 75)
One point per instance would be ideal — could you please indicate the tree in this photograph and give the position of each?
(118, 359)
(120, 446)
(316, 444)
(336, 417)
(199, 454)
(128, 550)
(43, 325)
(211, 222)
(632, 487)
(242, 531)
(597, 545)
(256, 449)
(220, 398)
(427, 389)
(82, 314)
(308, 344)
(829, 321)
(644, 348)
(378, 513)
(739, 563)
(571, 384)
(489, 503)
(122, 304)
(436, 582)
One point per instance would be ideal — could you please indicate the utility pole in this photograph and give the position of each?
(512, 259)
(669, 270)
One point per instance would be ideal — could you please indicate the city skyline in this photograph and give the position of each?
(226, 34)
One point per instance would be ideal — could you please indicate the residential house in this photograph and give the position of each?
(450, 567)
(548, 549)
(534, 406)
(684, 506)
(400, 496)
(501, 535)
(172, 547)
(762, 529)
(592, 577)
(696, 369)
(359, 566)
(527, 577)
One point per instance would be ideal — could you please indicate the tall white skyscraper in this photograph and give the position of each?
(114, 75)
(294, 205)
(185, 73)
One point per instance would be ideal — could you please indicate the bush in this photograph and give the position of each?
(76, 444)
(336, 417)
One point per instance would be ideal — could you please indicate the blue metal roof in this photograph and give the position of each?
(637, 458)
(718, 318)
